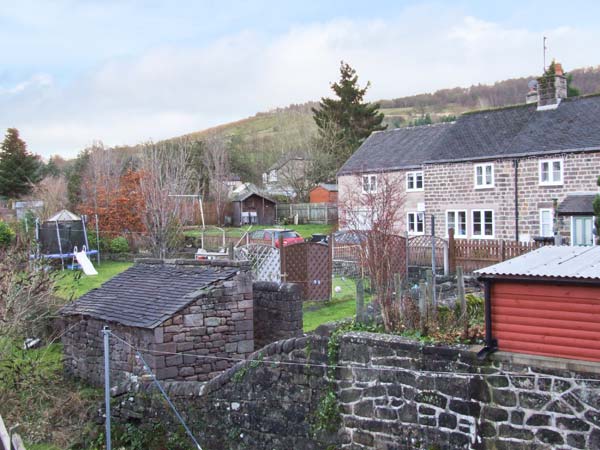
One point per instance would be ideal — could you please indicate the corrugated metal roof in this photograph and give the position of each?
(551, 262)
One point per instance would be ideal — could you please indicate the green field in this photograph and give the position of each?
(305, 231)
(72, 284)
(341, 306)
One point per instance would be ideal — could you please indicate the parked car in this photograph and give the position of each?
(272, 235)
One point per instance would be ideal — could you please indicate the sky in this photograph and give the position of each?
(122, 72)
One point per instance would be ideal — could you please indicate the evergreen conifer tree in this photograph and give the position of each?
(19, 169)
(346, 121)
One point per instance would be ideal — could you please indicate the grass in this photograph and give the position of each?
(72, 284)
(305, 231)
(341, 306)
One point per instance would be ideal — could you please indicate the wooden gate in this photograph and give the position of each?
(308, 264)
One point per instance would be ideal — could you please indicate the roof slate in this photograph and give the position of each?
(551, 262)
(400, 148)
(145, 295)
(513, 131)
(577, 204)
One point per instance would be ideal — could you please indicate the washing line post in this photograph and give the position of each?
(106, 332)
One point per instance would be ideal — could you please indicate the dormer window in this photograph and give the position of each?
(551, 172)
(369, 184)
(414, 181)
(484, 176)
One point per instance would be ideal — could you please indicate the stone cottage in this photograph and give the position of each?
(164, 309)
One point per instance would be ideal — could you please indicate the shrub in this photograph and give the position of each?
(118, 245)
(7, 235)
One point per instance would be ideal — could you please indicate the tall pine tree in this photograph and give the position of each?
(346, 121)
(19, 169)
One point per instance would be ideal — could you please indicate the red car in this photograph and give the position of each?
(271, 235)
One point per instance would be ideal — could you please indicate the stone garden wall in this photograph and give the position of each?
(277, 312)
(391, 394)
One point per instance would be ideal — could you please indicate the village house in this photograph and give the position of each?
(285, 176)
(522, 173)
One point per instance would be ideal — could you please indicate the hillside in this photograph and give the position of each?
(258, 141)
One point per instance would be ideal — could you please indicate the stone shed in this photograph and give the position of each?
(164, 308)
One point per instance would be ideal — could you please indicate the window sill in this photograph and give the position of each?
(482, 238)
(415, 190)
(479, 188)
(551, 184)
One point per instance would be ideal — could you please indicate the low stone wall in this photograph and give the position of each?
(277, 312)
(392, 393)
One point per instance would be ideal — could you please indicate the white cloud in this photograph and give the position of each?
(170, 90)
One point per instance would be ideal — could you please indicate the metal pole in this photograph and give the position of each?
(106, 332)
(97, 240)
(434, 299)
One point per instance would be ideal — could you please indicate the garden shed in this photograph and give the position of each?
(546, 302)
(172, 310)
(251, 206)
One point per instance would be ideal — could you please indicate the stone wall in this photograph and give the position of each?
(277, 312)
(219, 325)
(392, 394)
(451, 186)
(83, 349)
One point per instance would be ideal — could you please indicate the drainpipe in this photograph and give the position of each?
(491, 345)
(516, 175)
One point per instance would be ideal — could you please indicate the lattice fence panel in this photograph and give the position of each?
(266, 265)
(309, 264)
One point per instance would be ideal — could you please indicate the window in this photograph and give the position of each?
(415, 223)
(484, 176)
(551, 172)
(369, 183)
(414, 181)
(458, 221)
(483, 223)
(546, 222)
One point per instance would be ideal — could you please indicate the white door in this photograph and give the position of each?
(581, 230)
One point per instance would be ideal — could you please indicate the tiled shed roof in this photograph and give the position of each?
(550, 262)
(145, 295)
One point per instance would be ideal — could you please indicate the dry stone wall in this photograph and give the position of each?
(392, 394)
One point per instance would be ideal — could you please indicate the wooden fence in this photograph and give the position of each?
(473, 254)
(317, 213)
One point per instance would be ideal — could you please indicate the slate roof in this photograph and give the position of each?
(577, 204)
(400, 148)
(246, 190)
(550, 262)
(145, 295)
(513, 131)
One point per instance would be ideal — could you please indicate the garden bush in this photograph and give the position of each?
(7, 235)
(118, 245)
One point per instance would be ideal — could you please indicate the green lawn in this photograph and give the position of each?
(74, 283)
(341, 306)
(305, 231)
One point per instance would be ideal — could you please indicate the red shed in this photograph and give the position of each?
(546, 302)
(324, 193)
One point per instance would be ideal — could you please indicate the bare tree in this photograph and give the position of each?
(101, 178)
(372, 210)
(53, 192)
(167, 174)
(216, 163)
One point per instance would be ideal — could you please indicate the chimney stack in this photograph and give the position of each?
(549, 89)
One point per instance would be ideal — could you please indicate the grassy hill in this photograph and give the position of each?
(258, 141)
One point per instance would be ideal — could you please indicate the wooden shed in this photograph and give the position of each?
(324, 193)
(251, 206)
(546, 302)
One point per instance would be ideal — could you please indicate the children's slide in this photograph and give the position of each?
(85, 263)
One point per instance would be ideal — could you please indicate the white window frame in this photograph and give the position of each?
(482, 235)
(456, 233)
(371, 184)
(541, 212)
(408, 221)
(550, 162)
(483, 167)
(412, 176)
